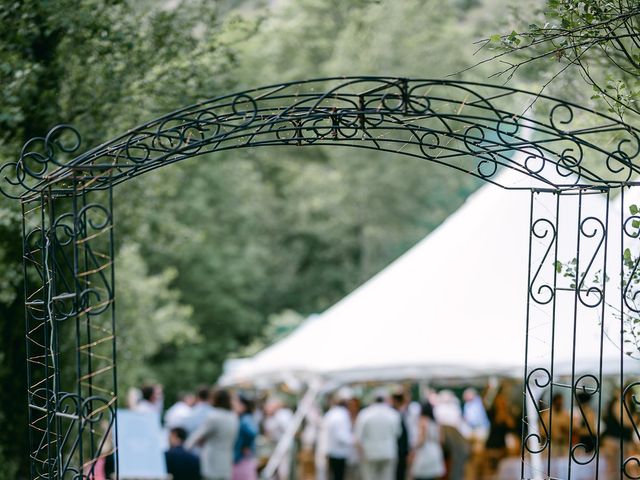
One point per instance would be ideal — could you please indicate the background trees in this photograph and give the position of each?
(211, 249)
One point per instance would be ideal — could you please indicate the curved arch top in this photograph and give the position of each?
(468, 126)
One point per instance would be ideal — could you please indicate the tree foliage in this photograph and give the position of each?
(597, 40)
(211, 249)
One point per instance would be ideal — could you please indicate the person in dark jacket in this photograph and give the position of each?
(398, 401)
(182, 464)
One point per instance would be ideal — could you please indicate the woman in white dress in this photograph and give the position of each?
(428, 463)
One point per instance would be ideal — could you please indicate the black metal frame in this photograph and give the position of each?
(568, 151)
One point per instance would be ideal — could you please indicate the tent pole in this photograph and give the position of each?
(280, 454)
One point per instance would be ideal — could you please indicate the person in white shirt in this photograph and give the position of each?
(151, 401)
(177, 415)
(340, 440)
(428, 463)
(199, 411)
(377, 430)
(475, 414)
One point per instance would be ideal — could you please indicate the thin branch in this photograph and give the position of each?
(548, 35)
(617, 40)
(556, 75)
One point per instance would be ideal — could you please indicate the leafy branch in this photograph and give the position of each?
(592, 35)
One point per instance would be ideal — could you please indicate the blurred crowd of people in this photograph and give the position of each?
(213, 433)
(219, 434)
(396, 438)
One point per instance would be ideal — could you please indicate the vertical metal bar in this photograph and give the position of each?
(45, 296)
(553, 327)
(622, 293)
(78, 291)
(602, 333)
(114, 434)
(25, 248)
(526, 342)
(54, 347)
(82, 221)
(575, 327)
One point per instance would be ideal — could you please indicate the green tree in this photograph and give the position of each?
(91, 63)
(211, 249)
(151, 316)
(596, 40)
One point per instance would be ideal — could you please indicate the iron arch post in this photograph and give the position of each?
(553, 149)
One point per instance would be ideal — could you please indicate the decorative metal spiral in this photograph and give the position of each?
(630, 294)
(467, 126)
(591, 227)
(542, 229)
(541, 377)
(631, 405)
(583, 453)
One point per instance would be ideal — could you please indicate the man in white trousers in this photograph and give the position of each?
(377, 429)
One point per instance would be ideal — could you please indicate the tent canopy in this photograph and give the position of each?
(455, 304)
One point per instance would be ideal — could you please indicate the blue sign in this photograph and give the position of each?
(141, 446)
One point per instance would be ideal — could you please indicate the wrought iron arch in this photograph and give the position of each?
(551, 147)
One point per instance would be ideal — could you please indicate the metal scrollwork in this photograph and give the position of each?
(631, 405)
(419, 100)
(569, 162)
(585, 451)
(429, 141)
(507, 129)
(542, 229)
(592, 296)
(561, 115)
(623, 158)
(534, 161)
(630, 465)
(466, 122)
(487, 165)
(473, 138)
(541, 378)
(630, 294)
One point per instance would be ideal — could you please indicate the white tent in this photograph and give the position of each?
(455, 304)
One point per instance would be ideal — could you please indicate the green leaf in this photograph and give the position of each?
(627, 254)
(558, 266)
(635, 223)
(495, 38)
(633, 209)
